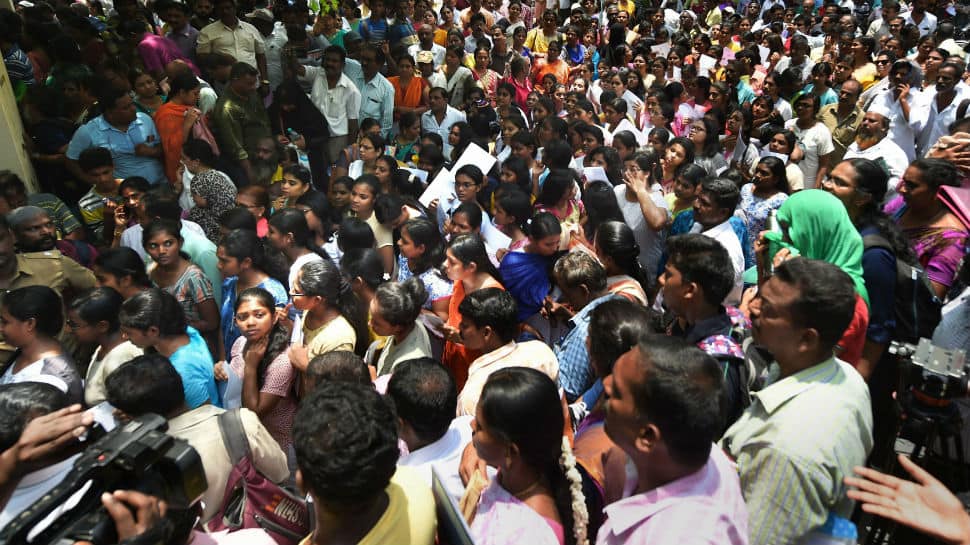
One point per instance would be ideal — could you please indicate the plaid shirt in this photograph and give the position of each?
(575, 373)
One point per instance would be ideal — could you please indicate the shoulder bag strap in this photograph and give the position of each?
(234, 436)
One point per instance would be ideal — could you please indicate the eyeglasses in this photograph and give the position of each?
(296, 294)
(882, 61)
(74, 325)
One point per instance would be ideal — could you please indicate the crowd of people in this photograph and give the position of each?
(612, 272)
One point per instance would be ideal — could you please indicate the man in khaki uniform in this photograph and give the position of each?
(50, 268)
(843, 119)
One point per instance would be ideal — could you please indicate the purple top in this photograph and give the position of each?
(939, 249)
(157, 51)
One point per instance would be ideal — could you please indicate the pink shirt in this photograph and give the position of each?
(704, 507)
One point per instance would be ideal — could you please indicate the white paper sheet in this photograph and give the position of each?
(421, 174)
(595, 174)
(493, 237)
(475, 155)
(443, 184)
(661, 50)
(706, 65)
(765, 54)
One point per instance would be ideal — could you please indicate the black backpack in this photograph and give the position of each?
(916, 306)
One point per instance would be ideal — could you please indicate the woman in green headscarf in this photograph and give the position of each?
(815, 225)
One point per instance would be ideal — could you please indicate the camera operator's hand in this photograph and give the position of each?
(133, 512)
(925, 505)
(46, 440)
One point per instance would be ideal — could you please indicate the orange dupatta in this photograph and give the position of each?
(168, 121)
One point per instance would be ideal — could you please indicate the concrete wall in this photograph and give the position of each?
(13, 153)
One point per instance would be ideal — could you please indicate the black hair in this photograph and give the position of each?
(21, 402)
(525, 139)
(558, 183)
(523, 177)
(826, 297)
(292, 221)
(99, 305)
(355, 233)
(615, 326)
(121, 262)
(93, 158)
(425, 396)
(517, 204)
(424, 232)
(243, 244)
(601, 207)
(777, 168)
(401, 302)
(521, 405)
(337, 366)
(162, 202)
(40, 303)
(471, 211)
(494, 308)
(170, 227)
(146, 384)
(322, 279)
(279, 335)
(183, 81)
(199, 150)
(154, 307)
(682, 393)
(544, 225)
(317, 202)
(135, 183)
(724, 193)
(241, 69)
(363, 263)
(872, 179)
(704, 261)
(613, 164)
(616, 239)
(937, 172)
(345, 437)
(237, 218)
(469, 249)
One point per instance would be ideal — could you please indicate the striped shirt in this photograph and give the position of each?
(793, 446)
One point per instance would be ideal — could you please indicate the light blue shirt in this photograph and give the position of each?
(575, 372)
(99, 133)
(194, 364)
(377, 101)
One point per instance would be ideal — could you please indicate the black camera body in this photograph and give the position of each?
(136, 456)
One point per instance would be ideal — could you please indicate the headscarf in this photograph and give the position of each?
(220, 195)
(526, 277)
(819, 228)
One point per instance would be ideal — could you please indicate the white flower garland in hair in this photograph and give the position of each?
(580, 514)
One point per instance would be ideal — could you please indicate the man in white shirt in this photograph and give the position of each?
(934, 114)
(896, 104)
(872, 142)
(426, 43)
(922, 19)
(337, 98)
(713, 208)
(425, 398)
(440, 117)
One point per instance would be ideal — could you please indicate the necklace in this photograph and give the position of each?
(527, 491)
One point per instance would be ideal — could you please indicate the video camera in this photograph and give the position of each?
(933, 373)
(136, 456)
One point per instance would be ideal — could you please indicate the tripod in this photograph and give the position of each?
(926, 424)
